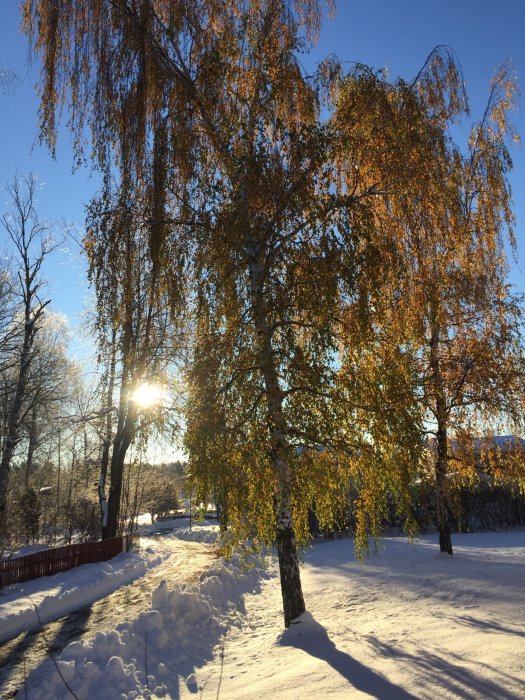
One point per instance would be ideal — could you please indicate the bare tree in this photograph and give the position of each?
(48, 385)
(8, 80)
(134, 329)
(32, 243)
(7, 312)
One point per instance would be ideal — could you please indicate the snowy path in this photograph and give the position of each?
(18, 657)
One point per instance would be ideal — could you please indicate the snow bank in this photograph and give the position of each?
(57, 595)
(24, 551)
(203, 532)
(145, 658)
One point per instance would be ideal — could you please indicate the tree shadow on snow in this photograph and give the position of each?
(424, 572)
(12, 655)
(450, 673)
(312, 638)
(186, 662)
(486, 625)
(56, 635)
(23, 654)
(69, 628)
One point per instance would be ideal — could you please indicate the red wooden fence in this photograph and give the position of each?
(51, 561)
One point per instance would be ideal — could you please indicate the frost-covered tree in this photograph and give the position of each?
(32, 244)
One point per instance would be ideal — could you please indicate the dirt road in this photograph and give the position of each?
(21, 655)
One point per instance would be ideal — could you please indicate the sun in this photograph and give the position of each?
(146, 395)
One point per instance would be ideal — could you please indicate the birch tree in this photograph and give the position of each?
(203, 110)
(47, 384)
(135, 332)
(156, 110)
(7, 326)
(446, 305)
(469, 347)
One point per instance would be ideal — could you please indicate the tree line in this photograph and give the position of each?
(317, 256)
(58, 422)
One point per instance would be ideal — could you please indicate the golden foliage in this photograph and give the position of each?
(346, 264)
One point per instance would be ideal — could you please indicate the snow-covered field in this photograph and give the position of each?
(411, 623)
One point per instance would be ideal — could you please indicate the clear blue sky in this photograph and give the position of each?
(394, 33)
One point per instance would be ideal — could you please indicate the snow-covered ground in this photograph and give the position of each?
(145, 657)
(200, 530)
(55, 596)
(24, 551)
(411, 623)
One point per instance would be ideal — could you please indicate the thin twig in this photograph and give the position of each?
(146, 659)
(204, 685)
(222, 663)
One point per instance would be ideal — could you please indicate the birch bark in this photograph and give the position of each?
(291, 589)
(440, 412)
